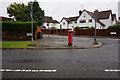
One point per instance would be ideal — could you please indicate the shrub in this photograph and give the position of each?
(18, 26)
(92, 27)
(88, 28)
(78, 27)
(116, 26)
(53, 28)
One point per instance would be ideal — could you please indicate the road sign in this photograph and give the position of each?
(29, 34)
(113, 33)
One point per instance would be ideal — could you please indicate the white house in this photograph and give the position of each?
(50, 23)
(87, 19)
(69, 23)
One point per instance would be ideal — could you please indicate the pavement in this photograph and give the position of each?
(61, 42)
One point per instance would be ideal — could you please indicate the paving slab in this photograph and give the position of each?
(56, 41)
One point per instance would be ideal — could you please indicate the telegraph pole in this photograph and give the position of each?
(95, 41)
(48, 29)
(31, 6)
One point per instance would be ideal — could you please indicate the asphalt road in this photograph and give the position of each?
(73, 63)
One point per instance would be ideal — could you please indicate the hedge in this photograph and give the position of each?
(18, 26)
(116, 26)
(78, 27)
(90, 27)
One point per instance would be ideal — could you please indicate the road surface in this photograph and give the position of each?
(70, 63)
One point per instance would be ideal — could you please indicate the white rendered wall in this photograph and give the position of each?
(72, 25)
(87, 24)
(107, 22)
(66, 24)
(56, 25)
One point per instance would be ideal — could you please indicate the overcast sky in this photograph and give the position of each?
(65, 8)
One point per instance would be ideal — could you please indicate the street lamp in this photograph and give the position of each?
(48, 29)
(31, 6)
(95, 41)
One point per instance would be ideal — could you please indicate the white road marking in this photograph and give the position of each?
(34, 71)
(8, 70)
(112, 70)
(18, 70)
(24, 70)
(1, 70)
(28, 70)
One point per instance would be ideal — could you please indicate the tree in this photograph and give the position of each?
(21, 12)
(38, 13)
(16, 10)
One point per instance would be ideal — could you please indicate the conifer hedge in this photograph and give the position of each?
(116, 26)
(18, 26)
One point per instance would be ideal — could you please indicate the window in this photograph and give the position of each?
(90, 20)
(84, 15)
(51, 24)
(55, 24)
(83, 21)
(63, 23)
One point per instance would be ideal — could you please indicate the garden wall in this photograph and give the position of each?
(15, 36)
(55, 31)
(100, 32)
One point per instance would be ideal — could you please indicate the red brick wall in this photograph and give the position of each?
(100, 32)
(15, 36)
(55, 31)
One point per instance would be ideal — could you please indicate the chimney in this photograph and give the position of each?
(96, 11)
(80, 12)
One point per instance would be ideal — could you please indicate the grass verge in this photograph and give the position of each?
(17, 44)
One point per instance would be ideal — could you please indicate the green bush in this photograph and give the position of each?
(92, 27)
(53, 28)
(18, 26)
(116, 26)
(78, 27)
(88, 27)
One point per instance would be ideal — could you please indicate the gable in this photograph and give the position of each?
(85, 15)
(89, 15)
(70, 19)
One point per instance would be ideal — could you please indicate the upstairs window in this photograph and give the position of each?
(63, 23)
(84, 15)
(83, 21)
(71, 22)
(51, 24)
(90, 20)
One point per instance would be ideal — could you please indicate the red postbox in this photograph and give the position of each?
(70, 35)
